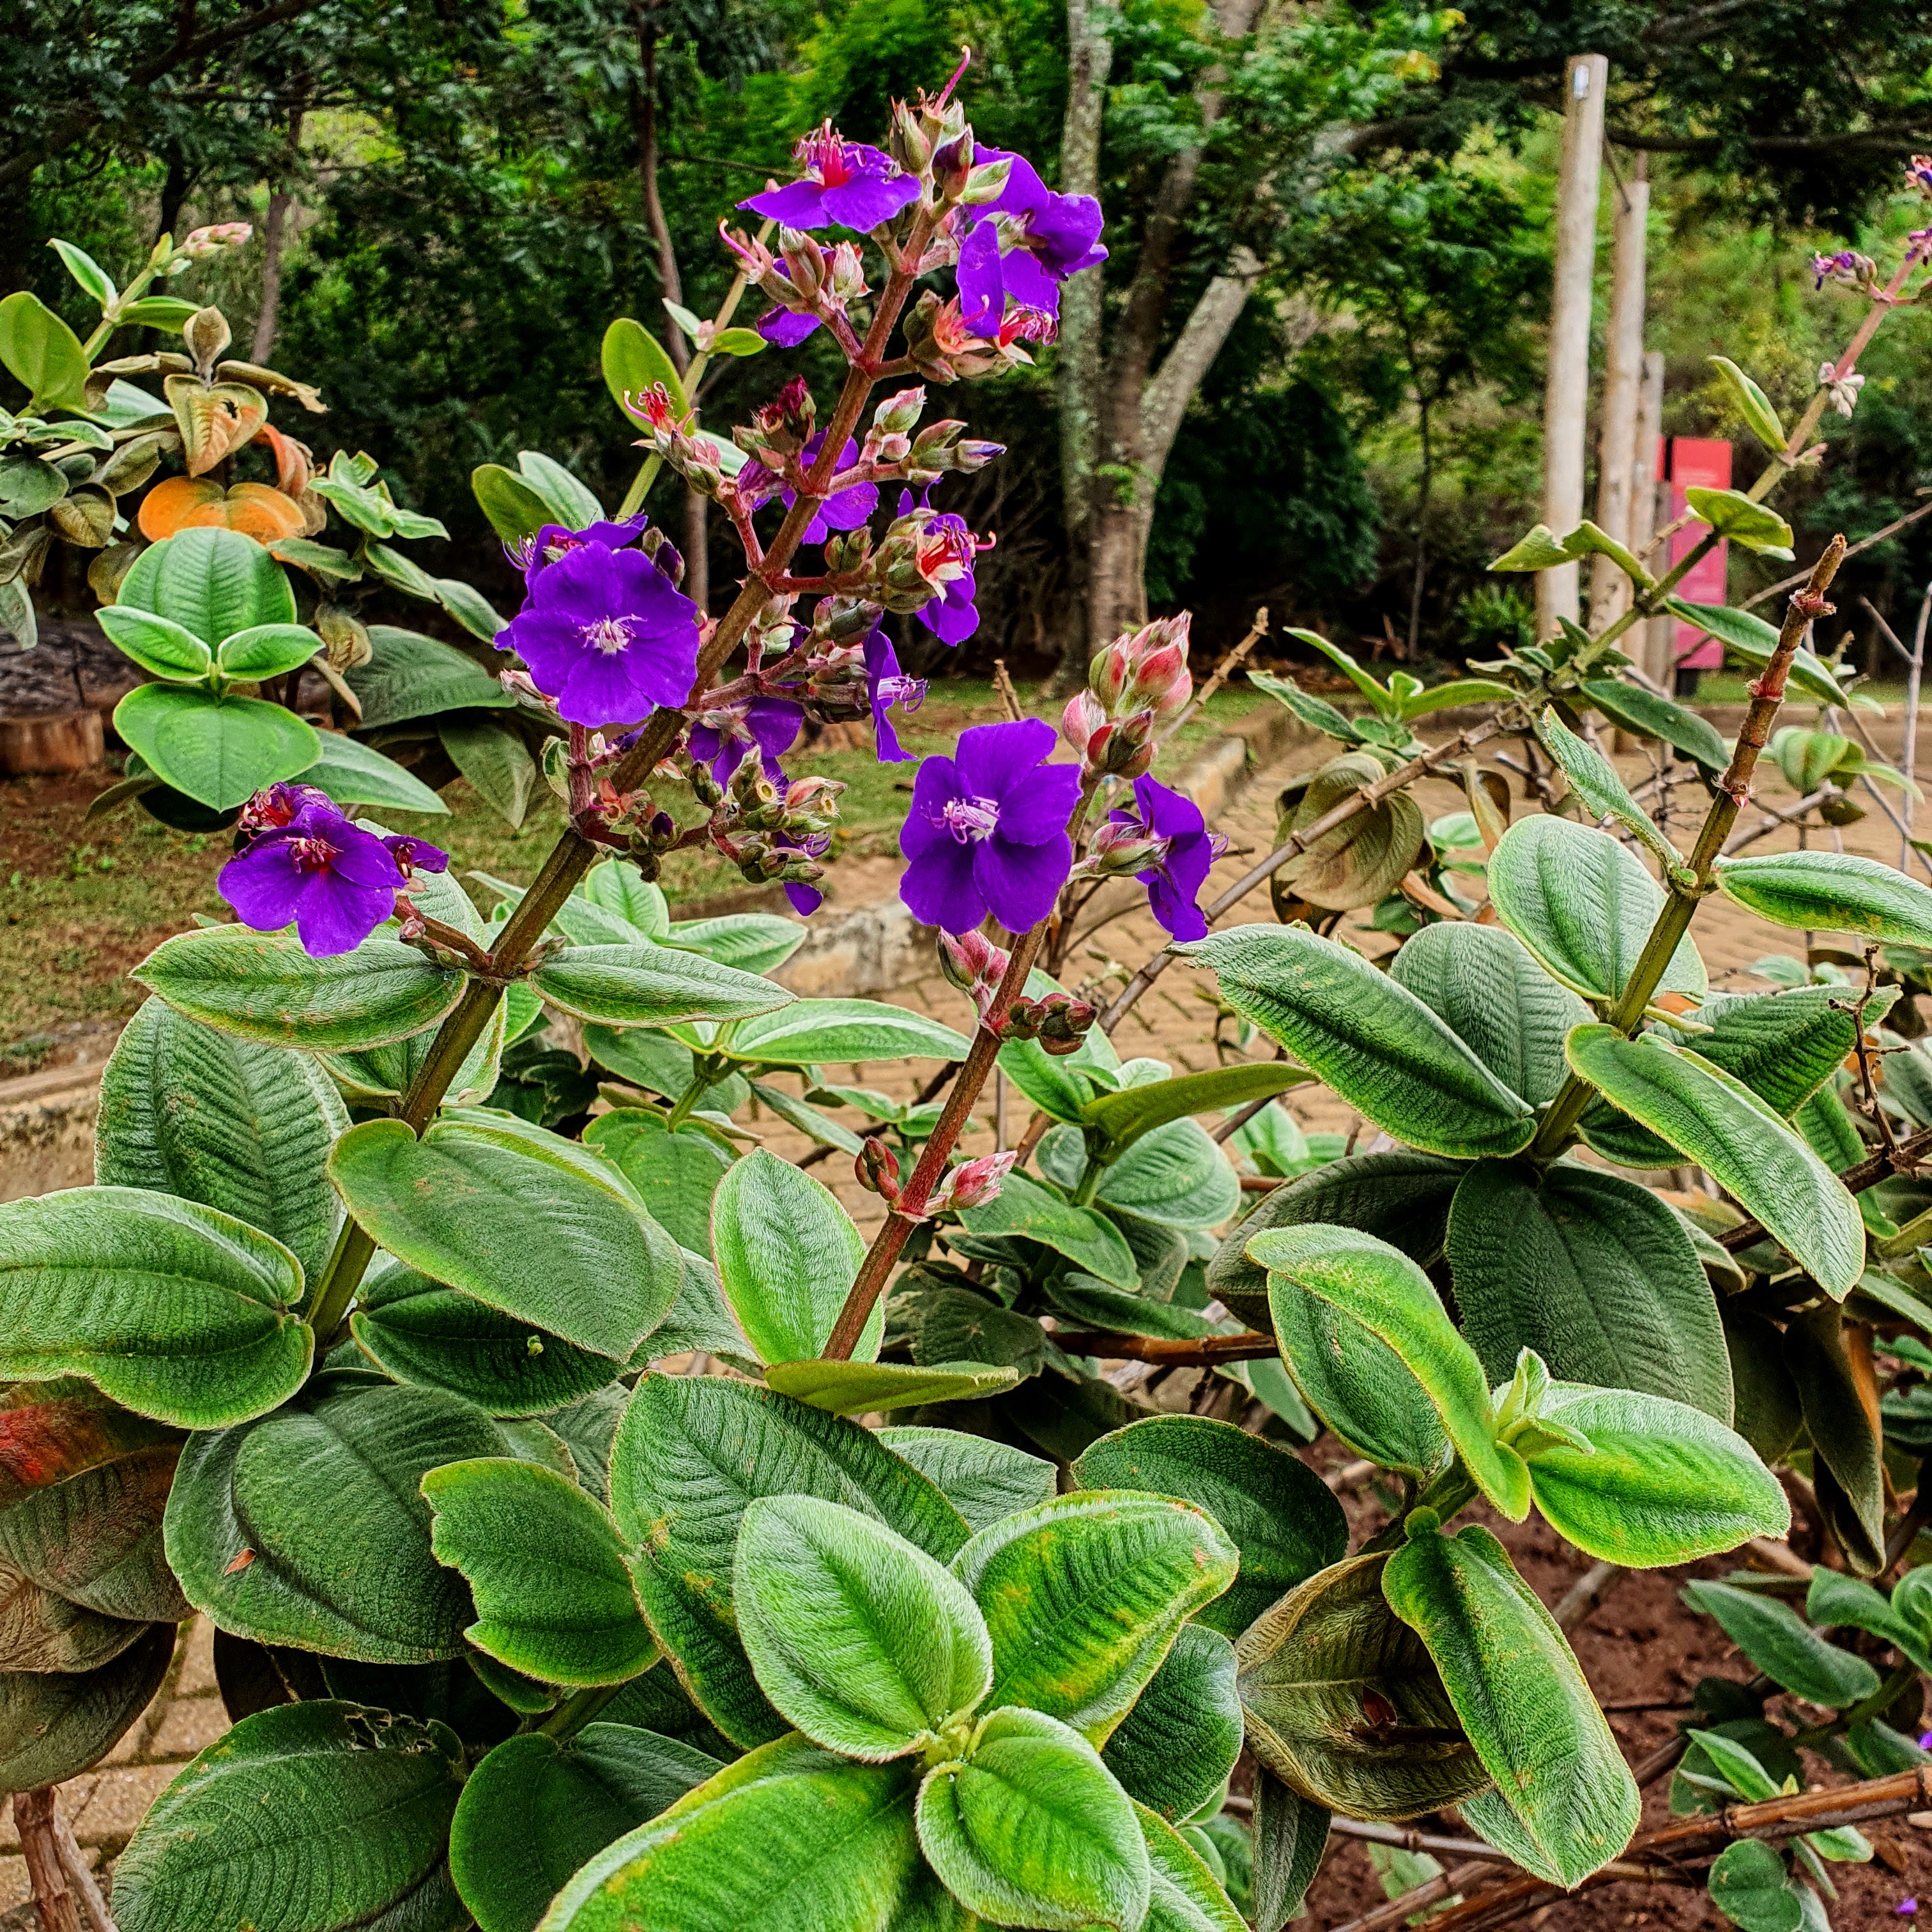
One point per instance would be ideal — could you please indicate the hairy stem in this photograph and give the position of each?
(1684, 895)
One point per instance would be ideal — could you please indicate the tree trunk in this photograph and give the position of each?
(1425, 484)
(644, 115)
(1142, 405)
(274, 234)
(1077, 366)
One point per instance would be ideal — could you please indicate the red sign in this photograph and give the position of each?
(1696, 462)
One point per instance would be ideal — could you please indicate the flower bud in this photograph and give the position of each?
(973, 963)
(204, 242)
(1064, 1021)
(987, 182)
(748, 787)
(811, 806)
(755, 258)
(908, 141)
(1084, 715)
(848, 274)
(1120, 847)
(877, 1168)
(973, 1183)
(204, 335)
(804, 260)
(973, 455)
(899, 415)
(1123, 747)
(953, 164)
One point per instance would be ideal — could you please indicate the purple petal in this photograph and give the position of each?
(1038, 809)
(1022, 882)
(806, 900)
(953, 616)
(868, 199)
(1065, 231)
(797, 205)
(362, 860)
(1030, 283)
(774, 724)
(940, 886)
(334, 916)
(982, 296)
(787, 328)
(995, 760)
(1172, 907)
(934, 787)
(849, 508)
(262, 884)
(1166, 812)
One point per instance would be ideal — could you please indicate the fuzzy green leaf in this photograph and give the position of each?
(652, 985)
(1832, 892)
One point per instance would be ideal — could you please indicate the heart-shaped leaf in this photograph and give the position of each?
(1363, 859)
(83, 1485)
(653, 985)
(1832, 892)
(189, 1111)
(690, 1452)
(1595, 1274)
(788, 1254)
(527, 1222)
(675, 1172)
(267, 650)
(1521, 1698)
(1784, 1646)
(865, 1642)
(1030, 1829)
(1720, 1124)
(546, 1566)
(1025, 1208)
(1403, 1198)
(221, 750)
(175, 1310)
(1733, 514)
(1583, 905)
(348, 1813)
(1344, 1704)
(40, 352)
(216, 419)
(306, 1528)
(1662, 1483)
(1083, 1597)
(1175, 1177)
(1283, 1518)
(1371, 1040)
(534, 1809)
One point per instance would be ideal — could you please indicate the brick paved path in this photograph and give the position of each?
(1172, 1023)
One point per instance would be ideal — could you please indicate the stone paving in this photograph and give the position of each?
(1173, 1023)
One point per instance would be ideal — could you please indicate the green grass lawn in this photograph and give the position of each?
(81, 904)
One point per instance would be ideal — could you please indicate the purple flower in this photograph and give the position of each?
(987, 829)
(606, 633)
(885, 686)
(335, 881)
(1174, 882)
(721, 739)
(951, 616)
(846, 184)
(806, 899)
(1060, 235)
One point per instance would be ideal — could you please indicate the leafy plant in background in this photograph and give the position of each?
(371, 1341)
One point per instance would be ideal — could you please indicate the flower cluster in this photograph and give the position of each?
(299, 861)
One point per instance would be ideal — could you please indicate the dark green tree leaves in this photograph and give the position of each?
(310, 1816)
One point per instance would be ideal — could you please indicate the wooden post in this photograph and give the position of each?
(1623, 380)
(1566, 398)
(1652, 648)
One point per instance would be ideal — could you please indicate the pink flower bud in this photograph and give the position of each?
(877, 1169)
(847, 273)
(1084, 715)
(804, 260)
(974, 1183)
(973, 963)
(898, 416)
(1124, 747)
(204, 242)
(1121, 846)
